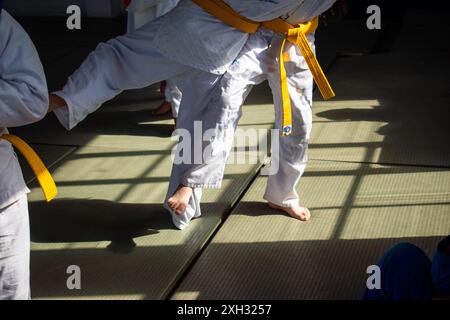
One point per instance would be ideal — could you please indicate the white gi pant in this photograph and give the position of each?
(257, 62)
(123, 63)
(15, 251)
(128, 62)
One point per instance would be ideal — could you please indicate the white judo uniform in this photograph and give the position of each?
(141, 12)
(257, 62)
(23, 100)
(187, 45)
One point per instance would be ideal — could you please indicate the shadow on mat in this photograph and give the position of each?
(81, 220)
(289, 270)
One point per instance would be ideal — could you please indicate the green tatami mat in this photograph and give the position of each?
(49, 154)
(389, 108)
(108, 220)
(359, 211)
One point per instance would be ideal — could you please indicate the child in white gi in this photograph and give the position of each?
(23, 100)
(257, 62)
(188, 45)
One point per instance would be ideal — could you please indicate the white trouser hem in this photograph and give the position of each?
(293, 203)
(182, 221)
(176, 219)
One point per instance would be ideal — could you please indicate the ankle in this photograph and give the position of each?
(186, 188)
(55, 102)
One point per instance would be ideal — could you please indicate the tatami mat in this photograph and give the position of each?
(51, 155)
(378, 175)
(108, 218)
(358, 210)
(390, 109)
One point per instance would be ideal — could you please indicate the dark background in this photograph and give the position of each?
(394, 9)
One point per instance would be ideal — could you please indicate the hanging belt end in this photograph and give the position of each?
(48, 186)
(50, 194)
(329, 97)
(328, 93)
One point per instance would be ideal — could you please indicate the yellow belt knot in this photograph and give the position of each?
(294, 34)
(43, 175)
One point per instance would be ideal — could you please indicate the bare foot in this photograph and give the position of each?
(180, 200)
(55, 102)
(164, 108)
(299, 213)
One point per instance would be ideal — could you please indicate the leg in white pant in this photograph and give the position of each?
(252, 68)
(129, 62)
(15, 251)
(256, 63)
(218, 115)
(292, 157)
(224, 109)
(125, 62)
(197, 90)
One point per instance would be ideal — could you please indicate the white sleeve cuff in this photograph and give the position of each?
(65, 114)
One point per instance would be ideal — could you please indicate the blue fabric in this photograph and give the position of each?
(440, 271)
(405, 275)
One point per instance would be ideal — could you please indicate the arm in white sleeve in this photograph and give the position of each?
(23, 87)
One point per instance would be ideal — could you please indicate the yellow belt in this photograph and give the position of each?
(293, 34)
(44, 177)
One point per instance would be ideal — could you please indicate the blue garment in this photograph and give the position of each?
(408, 274)
(405, 275)
(440, 270)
